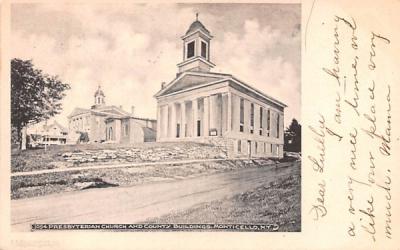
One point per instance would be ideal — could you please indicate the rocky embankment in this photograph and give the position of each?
(98, 154)
(144, 155)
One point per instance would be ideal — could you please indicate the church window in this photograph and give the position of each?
(204, 49)
(110, 134)
(268, 121)
(261, 117)
(178, 130)
(190, 49)
(252, 118)
(126, 130)
(277, 126)
(241, 114)
(198, 127)
(239, 146)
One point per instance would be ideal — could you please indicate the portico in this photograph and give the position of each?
(194, 117)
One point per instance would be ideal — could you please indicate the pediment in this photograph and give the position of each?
(190, 80)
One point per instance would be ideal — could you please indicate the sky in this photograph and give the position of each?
(129, 49)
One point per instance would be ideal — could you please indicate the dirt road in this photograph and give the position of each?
(138, 203)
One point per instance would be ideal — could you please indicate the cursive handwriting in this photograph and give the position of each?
(356, 98)
(369, 214)
(319, 208)
(385, 139)
(319, 164)
(353, 151)
(372, 53)
(388, 197)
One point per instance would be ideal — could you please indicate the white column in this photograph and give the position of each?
(195, 116)
(282, 125)
(165, 121)
(229, 109)
(206, 116)
(213, 108)
(183, 119)
(172, 128)
(158, 122)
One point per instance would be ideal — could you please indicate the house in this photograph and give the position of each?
(199, 105)
(104, 123)
(53, 134)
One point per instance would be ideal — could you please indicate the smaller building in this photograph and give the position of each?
(130, 129)
(106, 123)
(43, 134)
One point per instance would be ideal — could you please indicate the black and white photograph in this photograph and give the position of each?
(155, 117)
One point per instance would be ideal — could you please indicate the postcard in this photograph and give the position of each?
(199, 125)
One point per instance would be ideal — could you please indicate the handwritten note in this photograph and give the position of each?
(350, 157)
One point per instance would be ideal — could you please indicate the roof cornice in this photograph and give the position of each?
(194, 32)
(194, 59)
(169, 85)
(258, 92)
(197, 86)
(224, 78)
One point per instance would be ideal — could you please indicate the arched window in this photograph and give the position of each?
(110, 133)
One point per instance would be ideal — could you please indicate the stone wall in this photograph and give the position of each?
(154, 154)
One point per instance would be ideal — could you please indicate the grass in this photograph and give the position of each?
(276, 202)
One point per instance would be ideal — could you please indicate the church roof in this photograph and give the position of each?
(111, 109)
(103, 111)
(190, 80)
(197, 25)
(78, 111)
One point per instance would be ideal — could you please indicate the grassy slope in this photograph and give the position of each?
(277, 202)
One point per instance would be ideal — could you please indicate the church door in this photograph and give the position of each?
(249, 148)
(110, 134)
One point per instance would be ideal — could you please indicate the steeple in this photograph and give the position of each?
(196, 48)
(99, 98)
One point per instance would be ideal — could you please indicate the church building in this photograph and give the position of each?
(200, 105)
(110, 123)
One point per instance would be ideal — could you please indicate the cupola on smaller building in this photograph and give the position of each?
(99, 98)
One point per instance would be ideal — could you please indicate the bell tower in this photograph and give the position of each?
(196, 48)
(99, 98)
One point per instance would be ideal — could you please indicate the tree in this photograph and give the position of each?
(292, 137)
(35, 96)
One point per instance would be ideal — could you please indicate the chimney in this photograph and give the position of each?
(162, 85)
(132, 110)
